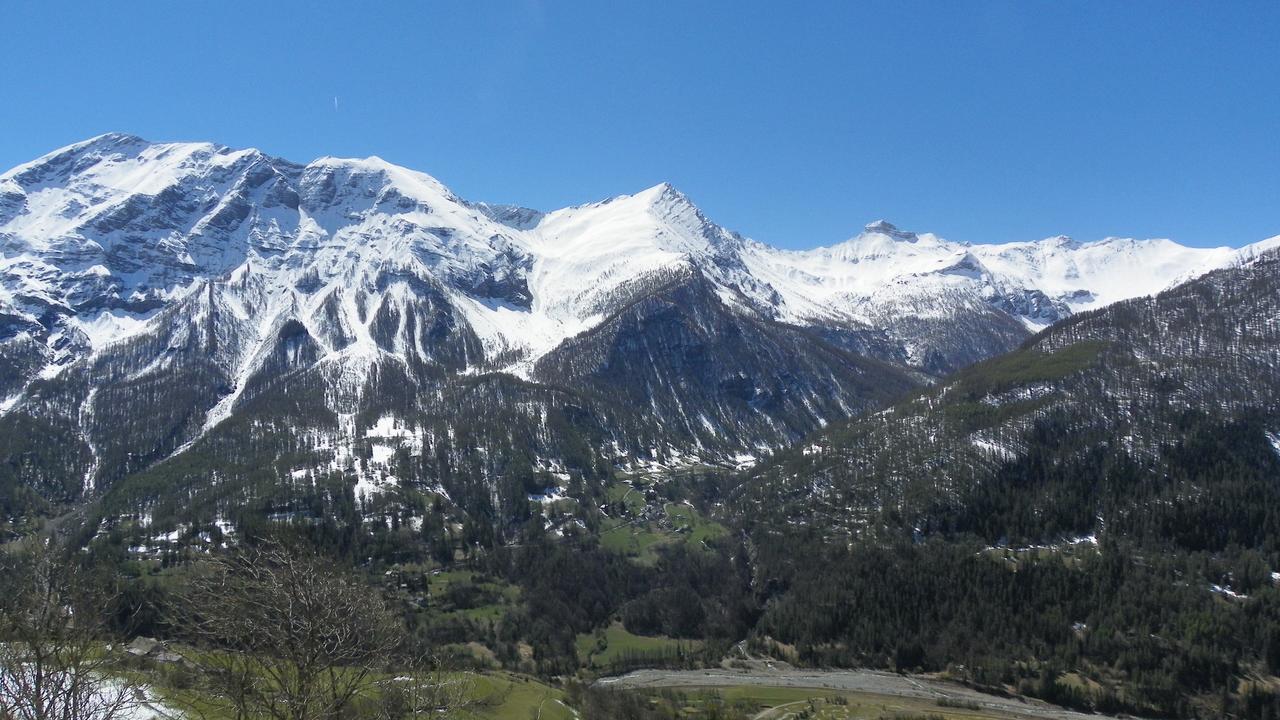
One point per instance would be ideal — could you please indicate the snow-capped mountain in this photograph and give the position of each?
(96, 237)
(344, 306)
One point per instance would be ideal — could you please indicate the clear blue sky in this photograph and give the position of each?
(794, 123)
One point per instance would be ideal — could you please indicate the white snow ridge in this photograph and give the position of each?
(97, 238)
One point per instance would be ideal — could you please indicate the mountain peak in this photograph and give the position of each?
(370, 163)
(1062, 241)
(665, 194)
(70, 154)
(884, 227)
(113, 138)
(413, 183)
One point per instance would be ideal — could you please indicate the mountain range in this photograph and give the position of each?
(193, 319)
(619, 435)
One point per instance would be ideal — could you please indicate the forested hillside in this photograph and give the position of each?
(1154, 419)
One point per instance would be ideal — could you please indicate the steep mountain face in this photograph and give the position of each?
(185, 315)
(1156, 417)
(726, 374)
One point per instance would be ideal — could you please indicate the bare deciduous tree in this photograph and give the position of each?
(53, 659)
(284, 634)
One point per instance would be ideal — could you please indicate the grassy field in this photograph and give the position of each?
(636, 540)
(485, 599)
(500, 695)
(491, 696)
(626, 493)
(601, 648)
(697, 529)
(504, 696)
(637, 534)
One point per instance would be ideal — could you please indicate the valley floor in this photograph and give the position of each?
(889, 694)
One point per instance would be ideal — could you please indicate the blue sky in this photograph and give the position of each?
(794, 123)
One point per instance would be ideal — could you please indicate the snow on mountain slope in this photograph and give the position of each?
(96, 237)
(854, 279)
(585, 253)
(219, 312)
